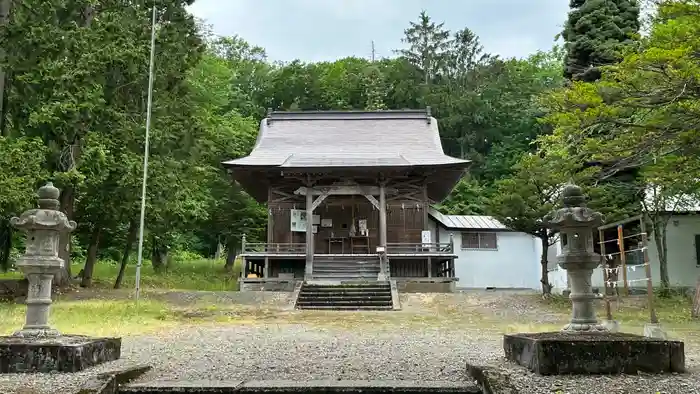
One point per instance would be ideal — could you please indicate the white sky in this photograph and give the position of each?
(314, 30)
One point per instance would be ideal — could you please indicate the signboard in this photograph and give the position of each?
(425, 238)
(298, 220)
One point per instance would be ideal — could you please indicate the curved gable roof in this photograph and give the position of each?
(347, 139)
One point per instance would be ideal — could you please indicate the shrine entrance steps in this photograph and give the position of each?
(345, 268)
(347, 296)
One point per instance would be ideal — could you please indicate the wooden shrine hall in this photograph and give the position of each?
(348, 196)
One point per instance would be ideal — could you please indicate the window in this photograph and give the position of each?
(487, 241)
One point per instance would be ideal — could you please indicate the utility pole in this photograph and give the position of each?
(373, 52)
(146, 152)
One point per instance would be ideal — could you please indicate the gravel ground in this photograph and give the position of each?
(395, 350)
(299, 352)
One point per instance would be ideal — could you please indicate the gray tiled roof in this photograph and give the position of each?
(468, 222)
(314, 139)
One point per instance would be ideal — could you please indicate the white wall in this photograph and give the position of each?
(682, 261)
(683, 270)
(515, 264)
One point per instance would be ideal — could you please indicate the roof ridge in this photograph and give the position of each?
(349, 115)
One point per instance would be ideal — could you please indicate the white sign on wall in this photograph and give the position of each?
(425, 238)
(298, 220)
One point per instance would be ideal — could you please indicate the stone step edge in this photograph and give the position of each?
(348, 297)
(285, 386)
(345, 308)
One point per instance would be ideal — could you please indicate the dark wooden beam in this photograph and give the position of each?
(621, 222)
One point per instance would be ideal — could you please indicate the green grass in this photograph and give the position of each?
(104, 313)
(673, 314)
(199, 274)
(11, 275)
(97, 317)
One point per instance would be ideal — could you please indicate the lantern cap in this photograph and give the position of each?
(572, 196)
(48, 196)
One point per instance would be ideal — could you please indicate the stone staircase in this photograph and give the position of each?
(349, 296)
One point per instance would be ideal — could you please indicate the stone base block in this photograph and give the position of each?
(654, 331)
(555, 353)
(611, 325)
(67, 353)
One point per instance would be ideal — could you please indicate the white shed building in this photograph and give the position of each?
(490, 255)
(683, 243)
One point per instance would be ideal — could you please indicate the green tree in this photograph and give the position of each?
(428, 46)
(597, 33)
(522, 200)
(648, 107)
(21, 160)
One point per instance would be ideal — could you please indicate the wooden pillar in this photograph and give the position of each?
(384, 271)
(653, 319)
(266, 269)
(244, 262)
(451, 261)
(623, 259)
(270, 218)
(606, 278)
(382, 215)
(426, 207)
(309, 233)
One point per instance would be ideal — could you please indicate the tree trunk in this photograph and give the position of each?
(160, 260)
(230, 257)
(67, 199)
(659, 228)
(159, 257)
(219, 250)
(5, 244)
(130, 239)
(93, 247)
(63, 278)
(695, 312)
(544, 272)
(5, 6)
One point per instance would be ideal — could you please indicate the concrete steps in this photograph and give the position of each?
(345, 296)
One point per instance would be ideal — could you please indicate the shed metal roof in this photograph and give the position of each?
(468, 222)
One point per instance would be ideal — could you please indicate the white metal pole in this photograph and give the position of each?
(145, 153)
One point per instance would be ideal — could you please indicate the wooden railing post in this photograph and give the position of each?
(244, 262)
(452, 243)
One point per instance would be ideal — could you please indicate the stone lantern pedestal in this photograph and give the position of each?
(37, 347)
(584, 346)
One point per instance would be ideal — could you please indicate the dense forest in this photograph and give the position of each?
(73, 93)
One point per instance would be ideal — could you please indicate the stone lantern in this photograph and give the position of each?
(576, 222)
(40, 261)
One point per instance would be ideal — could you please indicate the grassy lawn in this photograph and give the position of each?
(96, 317)
(673, 314)
(104, 316)
(200, 274)
(104, 311)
